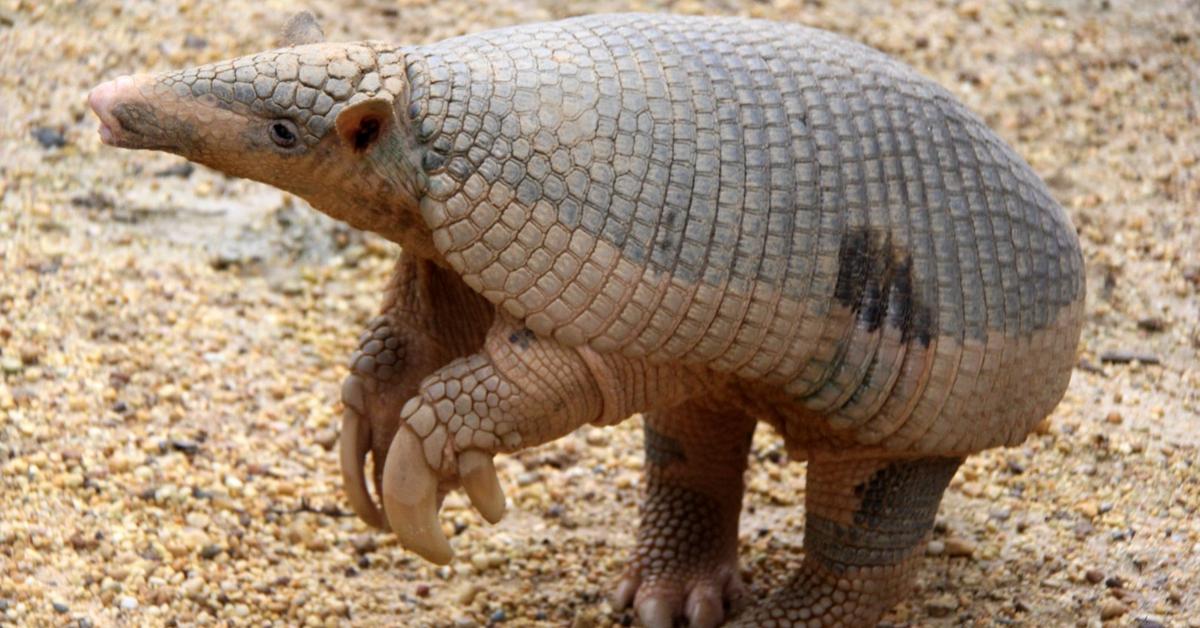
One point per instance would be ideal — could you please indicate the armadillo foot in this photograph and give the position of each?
(518, 391)
(685, 564)
(867, 523)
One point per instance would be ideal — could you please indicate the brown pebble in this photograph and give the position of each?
(422, 590)
(1112, 609)
(1125, 356)
(363, 543)
(1094, 576)
(1152, 324)
(327, 439)
(942, 605)
(1114, 417)
(959, 547)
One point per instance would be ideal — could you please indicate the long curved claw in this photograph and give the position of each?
(410, 499)
(479, 480)
(355, 441)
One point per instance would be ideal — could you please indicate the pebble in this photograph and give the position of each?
(127, 603)
(1112, 609)
(60, 607)
(941, 605)
(49, 137)
(959, 547)
(363, 543)
(467, 595)
(327, 439)
(1094, 576)
(11, 365)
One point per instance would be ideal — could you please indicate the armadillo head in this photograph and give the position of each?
(315, 119)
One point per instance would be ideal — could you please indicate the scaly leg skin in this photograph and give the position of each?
(520, 391)
(686, 562)
(866, 527)
(429, 317)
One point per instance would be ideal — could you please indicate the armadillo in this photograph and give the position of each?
(709, 221)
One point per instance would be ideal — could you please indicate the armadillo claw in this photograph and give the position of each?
(410, 499)
(656, 613)
(478, 475)
(355, 440)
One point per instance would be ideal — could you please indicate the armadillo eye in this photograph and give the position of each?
(284, 133)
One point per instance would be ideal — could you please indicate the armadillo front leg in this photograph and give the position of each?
(519, 391)
(429, 317)
(686, 562)
(866, 528)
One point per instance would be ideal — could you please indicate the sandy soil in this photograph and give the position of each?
(172, 343)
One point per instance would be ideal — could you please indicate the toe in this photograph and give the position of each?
(656, 612)
(705, 607)
(626, 589)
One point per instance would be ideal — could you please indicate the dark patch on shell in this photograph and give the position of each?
(875, 280)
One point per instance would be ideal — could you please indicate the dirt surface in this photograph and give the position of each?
(172, 344)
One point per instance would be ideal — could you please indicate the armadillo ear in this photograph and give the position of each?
(302, 28)
(361, 124)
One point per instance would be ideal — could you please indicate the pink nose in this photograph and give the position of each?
(104, 97)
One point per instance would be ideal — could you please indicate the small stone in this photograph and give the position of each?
(498, 617)
(1094, 576)
(11, 365)
(189, 447)
(60, 607)
(467, 595)
(327, 439)
(210, 551)
(182, 170)
(959, 547)
(1114, 417)
(363, 543)
(49, 137)
(1112, 609)
(1152, 324)
(422, 590)
(942, 605)
(935, 548)
(195, 42)
(127, 603)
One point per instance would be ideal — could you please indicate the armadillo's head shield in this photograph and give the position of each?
(310, 119)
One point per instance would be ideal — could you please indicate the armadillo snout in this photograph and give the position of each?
(104, 98)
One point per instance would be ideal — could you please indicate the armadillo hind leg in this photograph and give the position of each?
(686, 562)
(866, 527)
(397, 350)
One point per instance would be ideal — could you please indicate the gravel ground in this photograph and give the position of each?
(172, 343)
